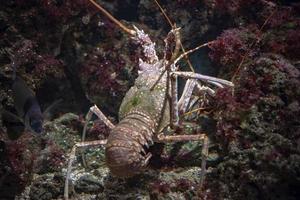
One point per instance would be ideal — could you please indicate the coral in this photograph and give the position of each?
(282, 33)
(106, 73)
(46, 187)
(237, 46)
(21, 156)
(240, 9)
(24, 54)
(229, 48)
(51, 158)
(257, 127)
(101, 73)
(61, 11)
(184, 185)
(48, 65)
(285, 42)
(281, 17)
(160, 187)
(169, 184)
(8, 178)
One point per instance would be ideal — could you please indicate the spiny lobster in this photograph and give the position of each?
(149, 107)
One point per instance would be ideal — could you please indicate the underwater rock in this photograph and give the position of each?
(89, 184)
(261, 158)
(38, 162)
(46, 187)
(95, 181)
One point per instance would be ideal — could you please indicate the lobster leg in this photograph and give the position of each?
(185, 98)
(174, 103)
(204, 154)
(72, 158)
(94, 110)
(181, 106)
(215, 81)
(204, 89)
(176, 119)
(180, 138)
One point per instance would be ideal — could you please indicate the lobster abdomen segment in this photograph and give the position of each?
(127, 145)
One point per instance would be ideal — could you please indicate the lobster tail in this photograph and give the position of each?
(127, 147)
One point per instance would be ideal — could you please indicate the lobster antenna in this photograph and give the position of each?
(117, 22)
(191, 51)
(256, 41)
(176, 35)
(164, 13)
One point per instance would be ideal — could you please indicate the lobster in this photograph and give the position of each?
(150, 108)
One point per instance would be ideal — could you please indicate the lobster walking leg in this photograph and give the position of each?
(179, 138)
(204, 152)
(94, 110)
(72, 158)
(187, 101)
(202, 88)
(213, 80)
(186, 95)
(185, 98)
(174, 116)
(182, 106)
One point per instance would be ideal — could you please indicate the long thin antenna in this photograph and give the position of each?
(192, 50)
(164, 13)
(174, 27)
(251, 45)
(117, 22)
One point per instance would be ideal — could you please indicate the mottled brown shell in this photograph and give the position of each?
(141, 117)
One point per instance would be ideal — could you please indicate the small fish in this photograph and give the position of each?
(27, 106)
(29, 114)
(28, 109)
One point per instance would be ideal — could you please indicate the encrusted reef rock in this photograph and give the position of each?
(34, 161)
(259, 130)
(168, 181)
